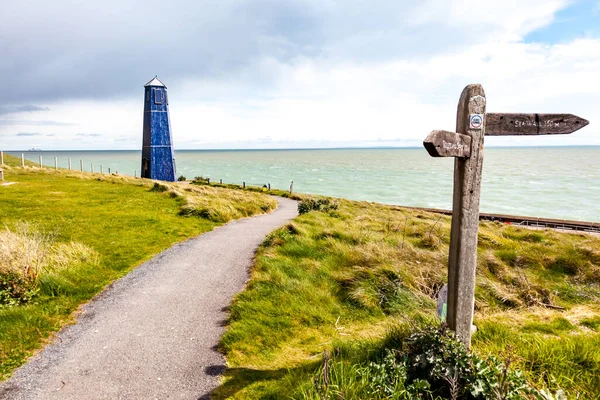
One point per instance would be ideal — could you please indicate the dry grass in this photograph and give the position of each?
(28, 252)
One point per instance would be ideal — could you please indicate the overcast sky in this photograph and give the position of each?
(277, 73)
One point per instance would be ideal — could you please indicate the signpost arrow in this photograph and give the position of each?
(447, 144)
(532, 124)
(466, 145)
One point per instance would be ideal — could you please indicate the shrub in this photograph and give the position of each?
(431, 364)
(325, 205)
(15, 289)
(181, 178)
(437, 356)
(157, 187)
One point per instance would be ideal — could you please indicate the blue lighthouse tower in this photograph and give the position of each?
(157, 146)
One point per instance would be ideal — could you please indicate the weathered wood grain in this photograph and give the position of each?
(462, 260)
(447, 144)
(500, 124)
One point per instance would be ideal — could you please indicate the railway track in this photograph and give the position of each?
(535, 222)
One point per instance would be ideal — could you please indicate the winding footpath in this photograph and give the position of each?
(154, 333)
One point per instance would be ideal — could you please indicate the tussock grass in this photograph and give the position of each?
(29, 252)
(122, 221)
(29, 256)
(344, 277)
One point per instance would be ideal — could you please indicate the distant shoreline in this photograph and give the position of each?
(293, 149)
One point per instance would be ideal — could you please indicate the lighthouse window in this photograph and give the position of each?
(158, 96)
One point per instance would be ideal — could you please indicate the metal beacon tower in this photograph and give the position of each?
(157, 146)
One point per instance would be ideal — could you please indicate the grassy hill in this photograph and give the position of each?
(65, 235)
(332, 290)
(331, 293)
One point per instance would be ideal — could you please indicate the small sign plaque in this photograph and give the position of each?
(447, 144)
(500, 124)
(475, 121)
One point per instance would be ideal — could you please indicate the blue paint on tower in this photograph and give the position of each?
(157, 147)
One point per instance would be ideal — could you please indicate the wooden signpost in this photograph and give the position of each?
(466, 145)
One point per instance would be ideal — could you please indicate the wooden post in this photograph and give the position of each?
(244, 185)
(1, 174)
(221, 181)
(109, 170)
(55, 163)
(269, 186)
(81, 165)
(69, 163)
(92, 167)
(101, 169)
(462, 262)
(135, 173)
(41, 163)
(2, 158)
(466, 145)
(291, 187)
(22, 160)
(208, 180)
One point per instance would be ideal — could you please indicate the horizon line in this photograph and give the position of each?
(300, 148)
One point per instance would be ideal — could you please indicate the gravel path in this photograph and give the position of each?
(153, 334)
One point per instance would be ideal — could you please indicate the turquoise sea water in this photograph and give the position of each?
(554, 182)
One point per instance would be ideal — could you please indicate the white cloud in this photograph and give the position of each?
(405, 100)
(347, 93)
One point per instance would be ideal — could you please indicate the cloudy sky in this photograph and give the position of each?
(278, 73)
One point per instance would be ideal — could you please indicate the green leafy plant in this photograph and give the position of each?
(431, 363)
(323, 204)
(181, 178)
(16, 290)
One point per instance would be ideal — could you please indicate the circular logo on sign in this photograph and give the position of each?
(476, 121)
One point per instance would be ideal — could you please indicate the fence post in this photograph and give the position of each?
(92, 167)
(244, 185)
(69, 163)
(2, 158)
(208, 180)
(269, 186)
(55, 163)
(81, 165)
(101, 169)
(41, 163)
(291, 187)
(22, 160)
(221, 181)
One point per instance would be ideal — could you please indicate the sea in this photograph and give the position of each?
(550, 182)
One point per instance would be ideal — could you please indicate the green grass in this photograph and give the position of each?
(124, 220)
(346, 278)
(553, 355)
